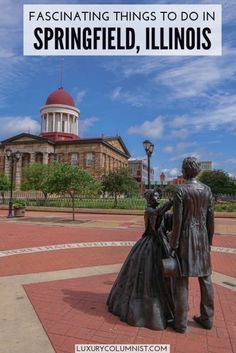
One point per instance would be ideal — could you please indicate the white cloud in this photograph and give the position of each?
(80, 96)
(128, 67)
(136, 99)
(142, 158)
(11, 14)
(183, 145)
(185, 77)
(152, 129)
(181, 156)
(198, 75)
(179, 147)
(116, 93)
(181, 133)
(10, 36)
(222, 115)
(6, 53)
(168, 149)
(231, 161)
(179, 121)
(171, 173)
(13, 125)
(13, 64)
(174, 172)
(86, 124)
(228, 8)
(216, 165)
(228, 165)
(187, 81)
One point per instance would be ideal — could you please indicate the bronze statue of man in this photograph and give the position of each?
(192, 232)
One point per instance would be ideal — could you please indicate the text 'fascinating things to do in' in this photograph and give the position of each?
(122, 30)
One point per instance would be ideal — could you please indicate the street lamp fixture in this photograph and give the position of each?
(149, 147)
(13, 158)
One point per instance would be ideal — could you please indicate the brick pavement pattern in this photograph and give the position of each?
(72, 310)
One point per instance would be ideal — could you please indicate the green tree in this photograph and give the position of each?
(4, 185)
(119, 182)
(169, 189)
(36, 177)
(71, 180)
(219, 181)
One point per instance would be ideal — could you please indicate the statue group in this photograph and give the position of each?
(141, 295)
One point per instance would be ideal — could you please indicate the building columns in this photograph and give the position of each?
(53, 122)
(60, 122)
(46, 122)
(68, 123)
(18, 172)
(45, 158)
(7, 168)
(32, 157)
(56, 120)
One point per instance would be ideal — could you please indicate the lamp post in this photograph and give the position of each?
(13, 158)
(149, 147)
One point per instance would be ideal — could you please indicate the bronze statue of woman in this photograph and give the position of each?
(141, 296)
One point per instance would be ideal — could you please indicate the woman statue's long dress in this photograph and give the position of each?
(140, 295)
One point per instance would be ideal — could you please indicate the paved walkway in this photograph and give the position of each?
(56, 275)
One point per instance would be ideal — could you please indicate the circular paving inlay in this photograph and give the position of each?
(56, 247)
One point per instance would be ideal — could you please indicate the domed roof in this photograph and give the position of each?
(60, 96)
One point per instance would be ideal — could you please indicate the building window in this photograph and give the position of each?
(38, 157)
(74, 159)
(89, 159)
(51, 157)
(60, 157)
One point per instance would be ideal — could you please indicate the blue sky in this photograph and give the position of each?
(184, 105)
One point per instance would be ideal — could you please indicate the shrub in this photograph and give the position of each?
(19, 203)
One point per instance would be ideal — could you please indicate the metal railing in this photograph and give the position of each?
(38, 199)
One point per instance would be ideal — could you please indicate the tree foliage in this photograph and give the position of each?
(60, 178)
(4, 184)
(119, 182)
(170, 188)
(219, 181)
(71, 180)
(37, 176)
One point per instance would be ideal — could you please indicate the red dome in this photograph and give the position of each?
(60, 97)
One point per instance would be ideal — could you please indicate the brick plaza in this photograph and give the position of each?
(56, 275)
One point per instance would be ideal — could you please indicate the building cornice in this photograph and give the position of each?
(35, 139)
(102, 140)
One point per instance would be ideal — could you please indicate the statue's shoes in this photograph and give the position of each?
(177, 329)
(180, 330)
(204, 323)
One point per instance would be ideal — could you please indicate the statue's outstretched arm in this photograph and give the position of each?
(166, 207)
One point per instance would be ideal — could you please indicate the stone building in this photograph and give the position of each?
(139, 170)
(205, 165)
(178, 181)
(59, 140)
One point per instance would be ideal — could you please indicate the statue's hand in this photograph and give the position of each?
(172, 252)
